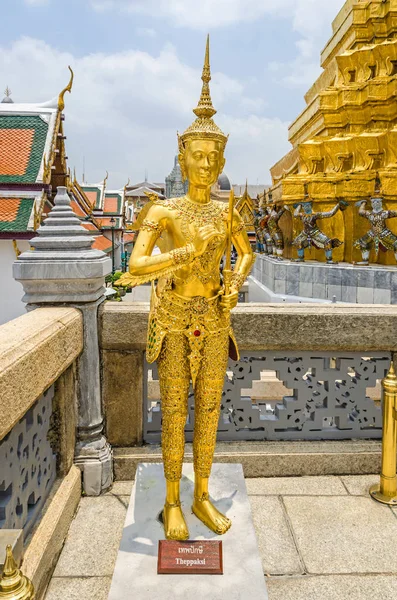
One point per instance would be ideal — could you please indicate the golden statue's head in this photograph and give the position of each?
(202, 145)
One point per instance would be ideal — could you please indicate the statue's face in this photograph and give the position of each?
(307, 207)
(202, 162)
(377, 204)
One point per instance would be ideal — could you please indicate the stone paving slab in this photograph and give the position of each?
(276, 545)
(333, 587)
(78, 588)
(120, 488)
(319, 527)
(93, 540)
(341, 534)
(358, 485)
(296, 486)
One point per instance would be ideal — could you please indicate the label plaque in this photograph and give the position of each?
(190, 558)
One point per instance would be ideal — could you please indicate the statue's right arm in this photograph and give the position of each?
(362, 211)
(297, 212)
(142, 262)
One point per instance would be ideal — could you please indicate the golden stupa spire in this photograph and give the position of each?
(204, 126)
(12, 583)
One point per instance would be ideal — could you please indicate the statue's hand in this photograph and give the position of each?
(360, 202)
(204, 236)
(229, 302)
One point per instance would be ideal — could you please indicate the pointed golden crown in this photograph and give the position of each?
(203, 126)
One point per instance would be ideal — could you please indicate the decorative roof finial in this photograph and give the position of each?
(203, 126)
(68, 88)
(105, 180)
(12, 583)
(7, 96)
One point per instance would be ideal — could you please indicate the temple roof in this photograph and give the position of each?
(95, 193)
(151, 186)
(102, 243)
(27, 135)
(140, 192)
(32, 161)
(113, 203)
(20, 210)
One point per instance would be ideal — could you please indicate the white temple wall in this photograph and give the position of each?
(11, 292)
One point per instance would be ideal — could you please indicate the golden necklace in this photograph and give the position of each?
(199, 215)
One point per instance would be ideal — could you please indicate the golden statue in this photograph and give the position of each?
(189, 324)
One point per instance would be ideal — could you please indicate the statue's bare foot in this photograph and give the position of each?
(175, 527)
(210, 516)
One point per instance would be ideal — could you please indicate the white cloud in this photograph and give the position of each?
(146, 32)
(309, 20)
(126, 107)
(306, 15)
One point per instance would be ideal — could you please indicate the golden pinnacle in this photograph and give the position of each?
(13, 584)
(205, 108)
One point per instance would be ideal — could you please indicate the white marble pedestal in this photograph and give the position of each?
(135, 575)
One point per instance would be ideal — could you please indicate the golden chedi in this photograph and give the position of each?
(189, 325)
(347, 134)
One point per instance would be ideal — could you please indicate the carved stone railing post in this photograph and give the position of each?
(62, 268)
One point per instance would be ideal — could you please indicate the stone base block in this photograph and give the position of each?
(95, 460)
(135, 575)
(343, 282)
(271, 459)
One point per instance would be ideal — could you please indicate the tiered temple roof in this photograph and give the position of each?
(32, 162)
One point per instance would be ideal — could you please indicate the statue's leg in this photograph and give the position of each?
(208, 394)
(301, 254)
(174, 374)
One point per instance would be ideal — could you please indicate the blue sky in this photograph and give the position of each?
(137, 70)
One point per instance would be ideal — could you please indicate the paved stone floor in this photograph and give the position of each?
(319, 537)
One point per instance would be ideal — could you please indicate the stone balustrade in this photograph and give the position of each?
(330, 356)
(39, 352)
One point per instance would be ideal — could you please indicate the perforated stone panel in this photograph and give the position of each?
(329, 399)
(27, 467)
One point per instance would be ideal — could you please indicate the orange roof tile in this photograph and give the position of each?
(15, 149)
(111, 205)
(89, 226)
(15, 214)
(92, 196)
(128, 238)
(9, 209)
(77, 209)
(102, 243)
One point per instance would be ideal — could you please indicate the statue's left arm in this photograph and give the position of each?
(391, 214)
(329, 213)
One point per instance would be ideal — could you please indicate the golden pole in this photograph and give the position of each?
(227, 271)
(14, 585)
(386, 491)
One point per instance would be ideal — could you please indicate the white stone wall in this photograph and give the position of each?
(11, 292)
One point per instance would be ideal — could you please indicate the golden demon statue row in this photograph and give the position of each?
(189, 333)
(270, 238)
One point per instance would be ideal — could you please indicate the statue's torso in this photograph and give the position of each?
(181, 221)
(377, 220)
